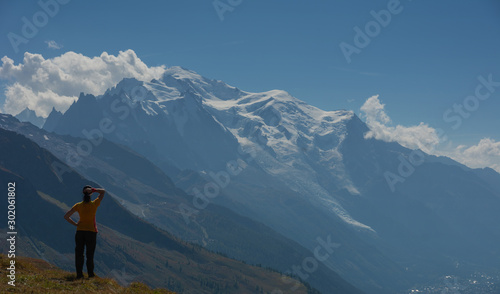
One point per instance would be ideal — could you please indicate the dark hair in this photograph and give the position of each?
(86, 196)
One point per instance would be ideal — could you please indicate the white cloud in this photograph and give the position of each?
(43, 83)
(53, 44)
(415, 137)
(42, 101)
(485, 154)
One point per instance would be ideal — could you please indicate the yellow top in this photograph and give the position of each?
(86, 211)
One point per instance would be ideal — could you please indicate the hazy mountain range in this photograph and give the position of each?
(290, 175)
(129, 249)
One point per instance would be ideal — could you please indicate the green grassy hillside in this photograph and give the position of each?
(38, 276)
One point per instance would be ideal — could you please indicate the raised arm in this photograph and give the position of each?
(68, 215)
(100, 191)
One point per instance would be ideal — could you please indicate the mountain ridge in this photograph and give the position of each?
(148, 253)
(28, 115)
(144, 199)
(300, 164)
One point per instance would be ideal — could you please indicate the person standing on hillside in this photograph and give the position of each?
(86, 229)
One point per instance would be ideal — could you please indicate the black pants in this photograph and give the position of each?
(85, 239)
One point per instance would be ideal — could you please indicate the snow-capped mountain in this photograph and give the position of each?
(307, 173)
(292, 141)
(209, 120)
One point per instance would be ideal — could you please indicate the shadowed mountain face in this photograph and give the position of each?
(28, 115)
(145, 190)
(128, 248)
(401, 217)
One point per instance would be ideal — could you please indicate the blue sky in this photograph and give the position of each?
(427, 58)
